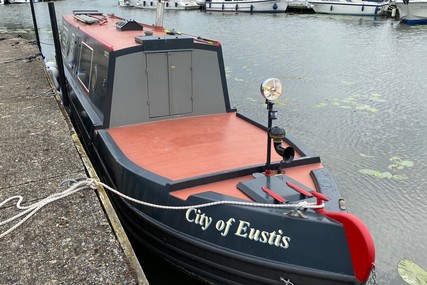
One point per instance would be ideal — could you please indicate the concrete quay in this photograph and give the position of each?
(75, 240)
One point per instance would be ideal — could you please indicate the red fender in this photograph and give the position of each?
(360, 242)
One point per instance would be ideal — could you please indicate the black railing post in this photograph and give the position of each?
(58, 53)
(36, 29)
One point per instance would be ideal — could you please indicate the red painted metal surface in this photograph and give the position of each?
(360, 242)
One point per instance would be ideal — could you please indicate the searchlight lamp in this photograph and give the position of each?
(271, 89)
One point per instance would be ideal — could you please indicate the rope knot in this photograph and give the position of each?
(92, 183)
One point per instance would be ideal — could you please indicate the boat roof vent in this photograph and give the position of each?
(128, 25)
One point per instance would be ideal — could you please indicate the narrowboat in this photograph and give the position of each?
(216, 193)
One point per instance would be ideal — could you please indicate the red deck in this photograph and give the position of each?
(189, 147)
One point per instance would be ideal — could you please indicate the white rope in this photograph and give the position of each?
(33, 208)
(89, 183)
(299, 205)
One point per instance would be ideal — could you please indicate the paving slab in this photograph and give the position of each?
(75, 240)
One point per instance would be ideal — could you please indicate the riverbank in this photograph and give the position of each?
(75, 240)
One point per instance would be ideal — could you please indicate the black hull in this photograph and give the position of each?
(212, 264)
(209, 263)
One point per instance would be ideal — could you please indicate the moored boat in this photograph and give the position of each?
(168, 5)
(125, 3)
(298, 5)
(246, 6)
(18, 1)
(229, 199)
(349, 7)
(412, 12)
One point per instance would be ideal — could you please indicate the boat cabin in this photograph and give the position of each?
(143, 71)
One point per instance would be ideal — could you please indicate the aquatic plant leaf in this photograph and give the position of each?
(406, 163)
(376, 174)
(321, 105)
(412, 273)
(400, 177)
(386, 175)
(363, 107)
(368, 171)
(372, 109)
(349, 100)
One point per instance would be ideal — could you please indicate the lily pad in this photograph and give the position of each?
(359, 102)
(368, 171)
(386, 175)
(321, 105)
(382, 175)
(375, 173)
(400, 177)
(406, 163)
(412, 273)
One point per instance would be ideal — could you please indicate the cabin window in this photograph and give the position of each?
(85, 65)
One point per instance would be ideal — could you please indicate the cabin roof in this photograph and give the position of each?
(104, 30)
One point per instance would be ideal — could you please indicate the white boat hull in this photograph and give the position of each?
(412, 12)
(362, 8)
(260, 6)
(297, 4)
(125, 3)
(169, 5)
(20, 1)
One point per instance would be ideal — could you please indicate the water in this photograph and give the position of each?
(355, 92)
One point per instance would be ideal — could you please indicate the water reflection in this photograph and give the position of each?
(354, 92)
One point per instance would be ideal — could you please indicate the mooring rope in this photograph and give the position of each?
(76, 185)
(33, 208)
